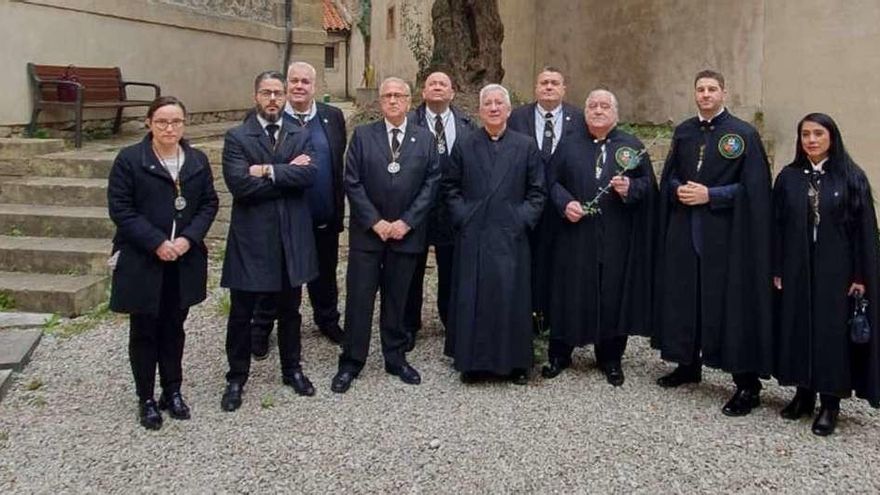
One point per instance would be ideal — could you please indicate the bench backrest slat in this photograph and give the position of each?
(100, 84)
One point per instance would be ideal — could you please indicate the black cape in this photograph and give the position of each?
(728, 239)
(813, 349)
(602, 266)
(495, 194)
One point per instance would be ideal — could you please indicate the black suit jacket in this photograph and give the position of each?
(522, 120)
(271, 222)
(333, 122)
(440, 230)
(375, 194)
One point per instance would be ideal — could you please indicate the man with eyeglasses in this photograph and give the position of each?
(391, 177)
(270, 248)
(550, 121)
(326, 128)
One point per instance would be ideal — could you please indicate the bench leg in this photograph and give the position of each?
(118, 123)
(79, 127)
(32, 127)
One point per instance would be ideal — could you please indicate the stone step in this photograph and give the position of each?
(89, 164)
(54, 255)
(55, 221)
(18, 148)
(66, 295)
(61, 191)
(16, 347)
(5, 382)
(19, 320)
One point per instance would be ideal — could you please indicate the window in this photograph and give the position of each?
(391, 23)
(330, 57)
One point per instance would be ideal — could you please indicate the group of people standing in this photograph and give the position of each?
(547, 215)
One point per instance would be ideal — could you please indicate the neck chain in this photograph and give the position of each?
(179, 200)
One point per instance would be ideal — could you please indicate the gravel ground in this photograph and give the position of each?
(78, 432)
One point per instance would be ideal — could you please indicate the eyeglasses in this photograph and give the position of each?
(165, 124)
(269, 94)
(394, 96)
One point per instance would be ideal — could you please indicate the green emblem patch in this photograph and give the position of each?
(731, 146)
(626, 158)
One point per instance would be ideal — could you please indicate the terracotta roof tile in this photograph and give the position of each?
(332, 20)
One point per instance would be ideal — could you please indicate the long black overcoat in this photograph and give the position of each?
(271, 223)
(587, 307)
(731, 278)
(813, 349)
(495, 193)
(140, 197)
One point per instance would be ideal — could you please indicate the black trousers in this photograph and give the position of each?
(158, 340)
(412, 320)
(608, 350)
(323, 291)
(368, 271)
(238, 330)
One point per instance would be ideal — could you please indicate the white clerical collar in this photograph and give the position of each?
(288, 109)
(713, 117)
(542, 112)
(389, 126)
(819, 167)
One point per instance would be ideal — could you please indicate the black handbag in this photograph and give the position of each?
(859, 326)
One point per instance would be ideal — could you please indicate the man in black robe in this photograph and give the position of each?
(713, 299)
(602, 252)
(494, 189)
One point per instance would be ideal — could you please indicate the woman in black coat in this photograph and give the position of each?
(161, 198)
(825, 252)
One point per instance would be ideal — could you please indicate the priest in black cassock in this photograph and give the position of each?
(826, 250)
(602, 253)
(713, 285)
(494, 189)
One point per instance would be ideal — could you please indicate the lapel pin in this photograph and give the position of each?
(412, 139)
(326, 121)
(152, 167)
(568, 117)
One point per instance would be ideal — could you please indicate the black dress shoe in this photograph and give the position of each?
(260, 347)
(742, 402)
(520, 377)
(333, 333)
(826, 421)
(469, 377)
(405, 372)
(680, 376)
(342, 381)
(613, 374)
(231, 397)
(175, 405)
(554, 368)
(801, 405)
(300, 383)
(149, 415)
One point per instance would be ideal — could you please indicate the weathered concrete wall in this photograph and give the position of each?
(821, 57)
(207, 60)
(518, 50)
(390, 53)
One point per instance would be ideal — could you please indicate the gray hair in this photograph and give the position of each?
(397, 80)
(495, 87)
(602, 90)
(303, 65)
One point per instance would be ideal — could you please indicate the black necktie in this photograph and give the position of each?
(547, 144)
(395, 143)
(271, 129)
(301, 117)
(440, 131)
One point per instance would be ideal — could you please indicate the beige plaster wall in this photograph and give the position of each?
(822, 57)
(391, 56)
(518, 50)
(210, 65)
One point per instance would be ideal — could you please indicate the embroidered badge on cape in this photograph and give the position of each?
(731, 146)
(626, 158)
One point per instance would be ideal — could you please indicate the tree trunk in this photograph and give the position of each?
(467, 42)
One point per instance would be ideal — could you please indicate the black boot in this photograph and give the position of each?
(803, 404)
(826, 420)
(149, 415)
(681, 375)
(742, 402)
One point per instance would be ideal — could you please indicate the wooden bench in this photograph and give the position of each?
(98, 88)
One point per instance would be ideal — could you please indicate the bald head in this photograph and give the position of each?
(437, 92)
